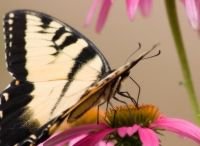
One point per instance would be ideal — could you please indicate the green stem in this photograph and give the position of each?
(173, 20)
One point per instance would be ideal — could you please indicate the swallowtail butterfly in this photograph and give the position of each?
(58, 74)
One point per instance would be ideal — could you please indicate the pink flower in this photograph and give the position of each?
(193, 12)
(131, 5)
(76, 135)
(178, 126)
(138, 125)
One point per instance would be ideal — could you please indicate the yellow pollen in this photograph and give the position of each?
(130, 115)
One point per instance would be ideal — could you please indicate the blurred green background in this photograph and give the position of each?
(159, 77)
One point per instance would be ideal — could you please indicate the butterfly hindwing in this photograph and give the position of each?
(52, 65)
(16, 122)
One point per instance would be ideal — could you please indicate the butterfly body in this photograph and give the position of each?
(57, 74)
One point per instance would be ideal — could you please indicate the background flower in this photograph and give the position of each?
(105, 5)
(192, 8)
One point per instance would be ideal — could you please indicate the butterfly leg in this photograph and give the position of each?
(139, 88)
(127, 95)
(98, 109)
(113, 92)
(115, 86)
(113, 108)
(117, 99)
(107, 96)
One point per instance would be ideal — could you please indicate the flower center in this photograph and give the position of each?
(130, 115)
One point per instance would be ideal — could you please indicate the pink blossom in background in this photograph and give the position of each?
(192, 8)
(105, 5)
(133, 5)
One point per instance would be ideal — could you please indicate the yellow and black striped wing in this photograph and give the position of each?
(52, 65)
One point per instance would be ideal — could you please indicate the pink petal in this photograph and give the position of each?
(122, 131)
(70, 134)
(178, 126)
(94, 138)
(148, 137)
(193, 11)
(131, 7)
(103, 143)
(132, 130)
(75, 140)
(145, 7)
(103, 14)
(91, 12)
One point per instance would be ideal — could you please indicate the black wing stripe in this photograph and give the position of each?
(85, 56)
(16, 45)
(68, 41)
(45, 21)
(59, 33)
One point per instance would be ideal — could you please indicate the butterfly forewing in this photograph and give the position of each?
(37, 45)
(52, 65)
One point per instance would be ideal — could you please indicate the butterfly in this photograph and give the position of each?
(58, 74)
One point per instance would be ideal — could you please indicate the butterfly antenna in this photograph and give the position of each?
(139, 47)
(157, 54)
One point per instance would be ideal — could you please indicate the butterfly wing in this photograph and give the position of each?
(52, 65)
(37, 43)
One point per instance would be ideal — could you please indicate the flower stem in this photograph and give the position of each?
(173, 20)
